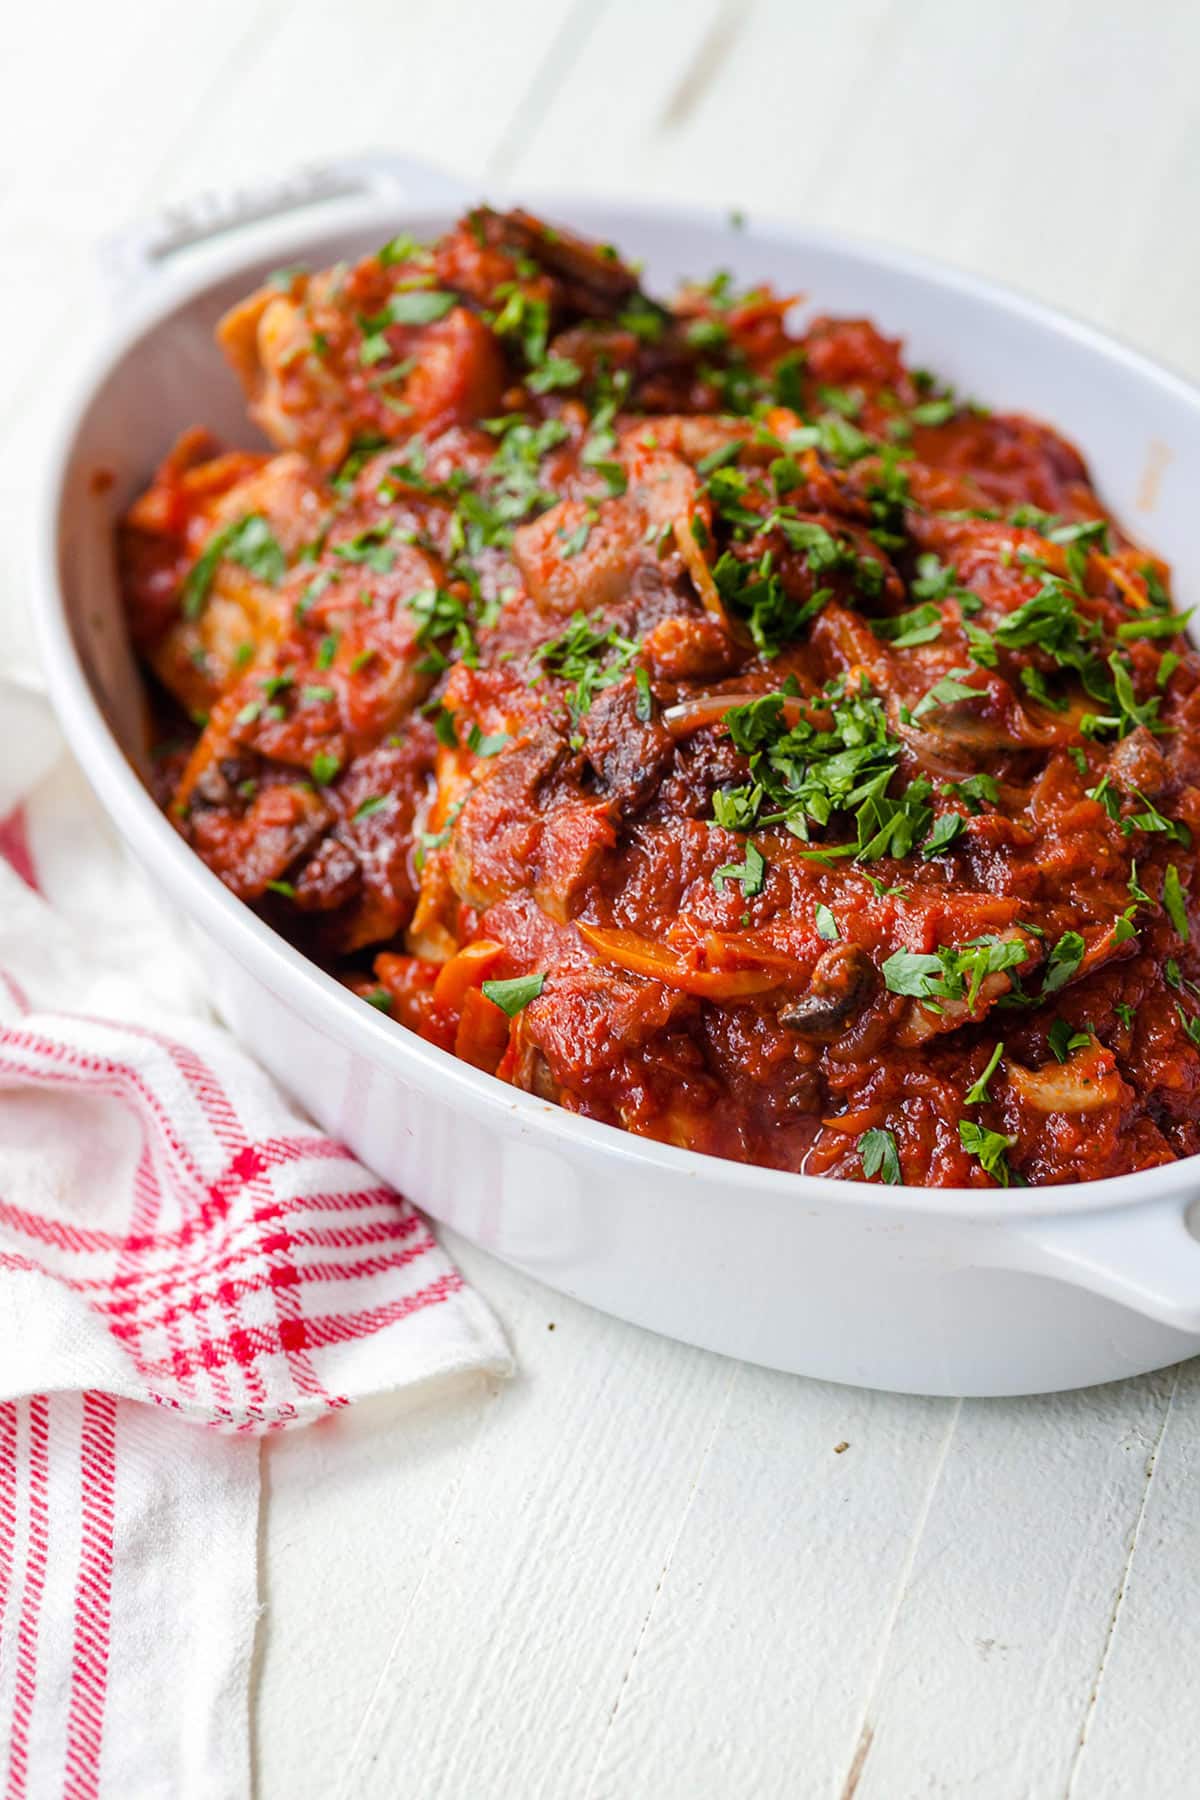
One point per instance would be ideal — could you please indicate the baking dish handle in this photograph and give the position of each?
(136, 255)
(1145, 1257)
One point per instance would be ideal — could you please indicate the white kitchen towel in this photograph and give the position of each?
(179, 1249)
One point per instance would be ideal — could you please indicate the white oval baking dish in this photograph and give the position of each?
(928, 1291)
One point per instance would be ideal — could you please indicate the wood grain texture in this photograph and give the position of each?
(639, 1569)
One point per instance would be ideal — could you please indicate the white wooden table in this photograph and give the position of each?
(639, 1569)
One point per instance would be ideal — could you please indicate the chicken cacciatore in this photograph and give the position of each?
(703, 721)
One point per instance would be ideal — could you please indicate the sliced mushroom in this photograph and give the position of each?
(844, 981)
(1089, 1082)
(596, 268)
(1138, 762)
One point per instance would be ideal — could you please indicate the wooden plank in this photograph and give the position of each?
(440, 82)
(1031, 142)
(1140, 1735)
(765, 1629)
(492, 1570)
(990, 1668)
(73, 170)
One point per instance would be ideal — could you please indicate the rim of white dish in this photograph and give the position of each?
(298, 981)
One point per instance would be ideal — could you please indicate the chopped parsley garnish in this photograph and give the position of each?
(934, 412)
(413, 306)
(880, 1156)
(803, 774)
(643, 318)
(833, 434)
(1159, 625)
(975, 791)
(977, 1093)
(324, 767)
(755, 592)
(363, 446)
(375, 803)
(952, 972)
(827, 925)
(920, 625)
(313, 591)
(525, 319)
(511, 491)
(1063, 1039)
(1173, 901)
(751, 873)
(401, 249)
(589, 655)
(947, 829)
(936, 580)
(946, 692)
(1190, 1025)
(481, 743)
(250, 543)
(555, 372)
(440, 614)
(989, 1148)
(575, 541)
(368, 547)
(1063, 962)
(1050, 622)
(514, 995)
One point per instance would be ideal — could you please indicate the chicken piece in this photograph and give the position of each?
(588, 554)
(228, 609)
(375, 352)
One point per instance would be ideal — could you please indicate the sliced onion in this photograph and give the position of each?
(645, 956)
(710, 709)
(702, 578)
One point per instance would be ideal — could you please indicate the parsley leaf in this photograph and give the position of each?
(414, 306)
(514, 995)
(952, 972)
(1064, 959)
(827, 925)
(920, 625)
(248, 542)
(949, 827)
(977, 1093)
(989, 1147)
(1063, 1039)
(1159, 625)
(373, 804)
(1173, 901)
(950, 688)
(880, 1156)
(751, 873)
(368, 547)
(555, 372)
(589, 655)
